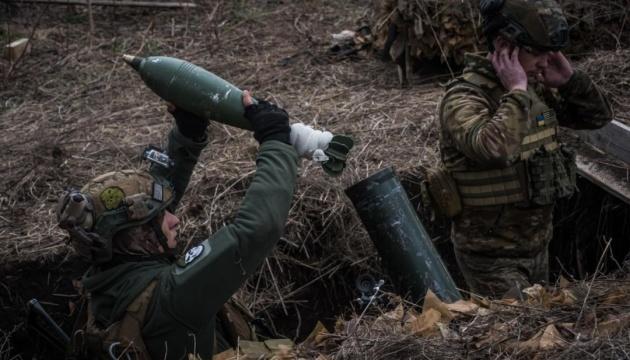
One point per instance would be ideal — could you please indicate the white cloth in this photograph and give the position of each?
(310, 143)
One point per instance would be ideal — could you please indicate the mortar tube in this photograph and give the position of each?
(401, 240)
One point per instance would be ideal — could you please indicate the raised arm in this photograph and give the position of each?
(578, 102)
(582, 105)
(185, 142)
(218, 267)
(483, 136)
(490, 133)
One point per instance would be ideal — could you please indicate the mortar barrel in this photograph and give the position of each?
(401, 240)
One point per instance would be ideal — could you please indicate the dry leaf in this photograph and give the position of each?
(463, 307)
(612, 326)
(253, 350)
(229, 354)
(563, 283)
(564, 297)
(616, 297)
(340, 325)
(394, 316)
(537, 295)
(446, 332)
(496, 333)
(431, 301)
(317, 335)
(281, 348)
(547, 339)
(425, 324)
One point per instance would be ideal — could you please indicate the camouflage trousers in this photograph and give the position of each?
(502, 247)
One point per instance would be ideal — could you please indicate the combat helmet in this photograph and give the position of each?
(535, 24)
(110, 203)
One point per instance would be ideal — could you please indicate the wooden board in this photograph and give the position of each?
(605, 171)
(14, 50)
(164, 4)
(613, 138)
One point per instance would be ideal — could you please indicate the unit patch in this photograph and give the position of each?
(112, 197)
(192, 254)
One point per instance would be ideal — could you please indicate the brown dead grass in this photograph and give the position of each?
(72, 110)
(592, 322)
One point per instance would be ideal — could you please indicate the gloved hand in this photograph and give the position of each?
(268, 121)
(189, 124)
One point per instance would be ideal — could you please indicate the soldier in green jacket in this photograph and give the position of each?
(144, 302)
(499, 142)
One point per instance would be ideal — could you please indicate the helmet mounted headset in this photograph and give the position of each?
(536, 25)
(114, 202)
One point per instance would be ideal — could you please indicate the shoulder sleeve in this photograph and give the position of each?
(580, 104)
(482, 135)
(210, 273)
(185, 153)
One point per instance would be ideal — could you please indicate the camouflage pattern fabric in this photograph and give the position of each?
(543, 22)
(483, 126)
(500, 247)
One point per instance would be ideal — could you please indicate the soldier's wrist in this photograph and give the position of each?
(520, 86)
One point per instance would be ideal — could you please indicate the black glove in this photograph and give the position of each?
(269, 122)
(190, 125)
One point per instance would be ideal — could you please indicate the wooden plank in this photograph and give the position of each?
(171, 4)
(613, 139)
(604, 176)
(14, 50)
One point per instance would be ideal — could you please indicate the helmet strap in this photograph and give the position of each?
(157, 229)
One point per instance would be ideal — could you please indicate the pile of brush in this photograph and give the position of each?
(411, 32)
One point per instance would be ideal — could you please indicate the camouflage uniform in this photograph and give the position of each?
(485, 128)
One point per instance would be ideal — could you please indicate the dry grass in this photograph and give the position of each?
(72, 110)
(501, 331)
(610, 69)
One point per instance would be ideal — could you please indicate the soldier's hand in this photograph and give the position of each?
(508, 67)
(247, 99)
(268, 121)
(558, 71)
(189, 124)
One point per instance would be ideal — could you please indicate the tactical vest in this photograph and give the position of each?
(543, 172)
(122, 339)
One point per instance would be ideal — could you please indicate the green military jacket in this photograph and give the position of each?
(181, 316)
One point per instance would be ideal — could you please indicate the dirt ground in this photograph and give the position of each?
(72, 109)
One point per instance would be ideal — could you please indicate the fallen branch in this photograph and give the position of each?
(113, 3)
